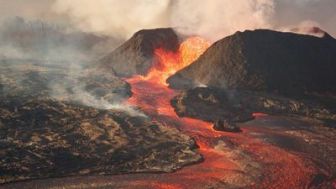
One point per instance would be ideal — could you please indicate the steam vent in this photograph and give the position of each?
(93, 105)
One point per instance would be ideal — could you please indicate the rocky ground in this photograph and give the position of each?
(305, 126)
(271, 152)
(239, 106)
(308, 138)
(44, 135)
(57, 120)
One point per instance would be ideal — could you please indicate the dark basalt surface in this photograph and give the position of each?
(226, 125)
(304, 138)
(209, 105)
(42, 136)
(34, 78)
(213, 104)
(308, 138)
(305, 127)
(135, 56)
(264, 60)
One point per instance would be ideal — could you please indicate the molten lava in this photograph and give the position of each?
(222, 164)
(167, 63)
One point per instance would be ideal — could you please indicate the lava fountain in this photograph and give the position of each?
(241, 166)
(166, 63)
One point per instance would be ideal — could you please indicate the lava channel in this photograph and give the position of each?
(232, 160)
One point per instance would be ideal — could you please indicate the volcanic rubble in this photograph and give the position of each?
(239, 106)
(46, 136)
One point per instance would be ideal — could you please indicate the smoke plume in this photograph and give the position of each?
(219, 18)
(43, 58)
(115, 17)
(212, 19)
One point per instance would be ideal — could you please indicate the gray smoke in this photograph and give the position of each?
(41, 56)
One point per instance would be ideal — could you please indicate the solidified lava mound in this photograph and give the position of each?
(239, 106)
(264, 60)
(135, 56)
(42, 136)
(209, 105)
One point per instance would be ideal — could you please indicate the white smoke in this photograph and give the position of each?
(294, 12)
(82, 96)
(212, 19)
(307, 27)
(56, 60)
(115, 17)
(215, 19)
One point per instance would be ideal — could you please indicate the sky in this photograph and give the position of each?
(212, 19)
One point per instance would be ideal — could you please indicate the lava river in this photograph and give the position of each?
(230, 160)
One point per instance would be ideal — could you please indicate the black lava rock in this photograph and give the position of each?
(226, 125)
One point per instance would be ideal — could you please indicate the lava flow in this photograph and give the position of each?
(166, 63)
(241, 163)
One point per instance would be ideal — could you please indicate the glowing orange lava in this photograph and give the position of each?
(167, 63)
(152, 95)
